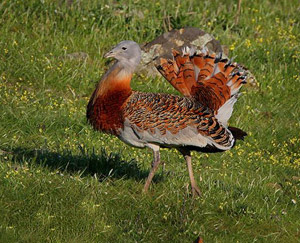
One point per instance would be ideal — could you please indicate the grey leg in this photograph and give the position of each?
(155, 164)
(188, 160)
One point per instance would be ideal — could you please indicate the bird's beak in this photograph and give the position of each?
(109, 54)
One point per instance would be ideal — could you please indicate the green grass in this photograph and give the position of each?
(62, 182)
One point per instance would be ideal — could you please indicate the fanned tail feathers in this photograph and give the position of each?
(212, 80)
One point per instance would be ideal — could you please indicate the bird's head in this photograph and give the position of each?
(127, 53)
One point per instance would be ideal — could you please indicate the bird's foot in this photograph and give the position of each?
(196, 191)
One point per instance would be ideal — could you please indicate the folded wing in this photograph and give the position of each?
(172, 121)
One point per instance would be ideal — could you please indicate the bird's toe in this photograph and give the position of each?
(196, 191)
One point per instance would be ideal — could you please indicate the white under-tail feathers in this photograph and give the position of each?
(225, 111)
(191, 51)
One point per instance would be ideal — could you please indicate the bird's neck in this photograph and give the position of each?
(104, 110)
(116, 80)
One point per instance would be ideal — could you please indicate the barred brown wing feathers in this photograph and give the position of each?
(175, 121)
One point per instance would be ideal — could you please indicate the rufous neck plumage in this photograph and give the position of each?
(116, 78)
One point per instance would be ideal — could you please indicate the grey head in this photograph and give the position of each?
(127, 52)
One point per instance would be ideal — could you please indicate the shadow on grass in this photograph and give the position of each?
(88, 163)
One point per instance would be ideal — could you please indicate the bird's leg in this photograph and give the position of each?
(195, 188)
(163, 167)
(188, 160)
(155, 164)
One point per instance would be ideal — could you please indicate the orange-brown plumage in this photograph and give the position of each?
(197, 121)
(105, 107)
(209, 88)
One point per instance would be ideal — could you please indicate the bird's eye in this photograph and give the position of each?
(124, 48)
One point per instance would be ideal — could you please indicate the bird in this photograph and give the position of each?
(197, 120)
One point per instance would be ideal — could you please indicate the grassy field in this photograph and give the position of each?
(62, 182)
